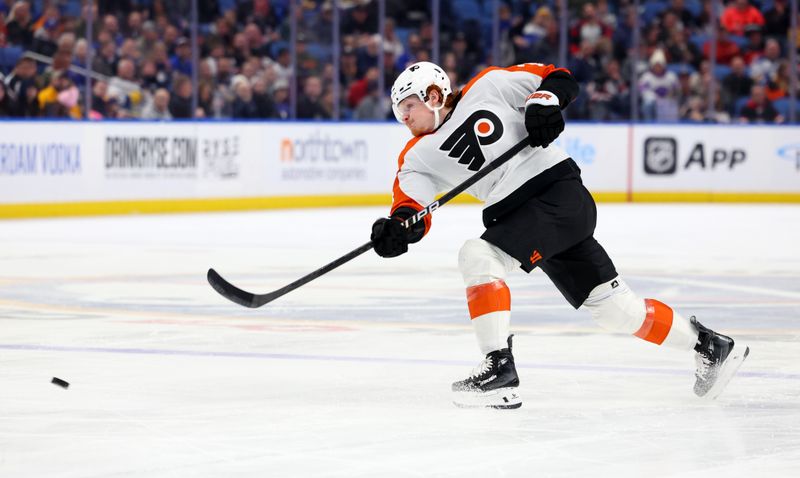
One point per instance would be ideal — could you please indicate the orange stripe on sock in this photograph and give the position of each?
(485, 298)
(657, 322)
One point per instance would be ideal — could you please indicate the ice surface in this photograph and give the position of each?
(349, 376)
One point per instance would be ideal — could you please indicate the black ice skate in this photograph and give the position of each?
(717, 361)
(492, 384)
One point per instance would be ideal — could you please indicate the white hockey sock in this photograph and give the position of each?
(490, 309)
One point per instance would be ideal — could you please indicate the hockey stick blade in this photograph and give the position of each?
(230, 291)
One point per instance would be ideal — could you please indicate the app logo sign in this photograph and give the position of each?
(790, 152)
(660, 156)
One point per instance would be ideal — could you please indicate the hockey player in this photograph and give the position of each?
(537, 213)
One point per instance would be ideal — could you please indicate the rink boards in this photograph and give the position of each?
(84, 168)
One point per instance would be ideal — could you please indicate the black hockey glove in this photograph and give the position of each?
(543, 118)
(389, 237)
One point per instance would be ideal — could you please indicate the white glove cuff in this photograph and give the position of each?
(542, 97)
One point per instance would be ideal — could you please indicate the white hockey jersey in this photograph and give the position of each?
(487, 121)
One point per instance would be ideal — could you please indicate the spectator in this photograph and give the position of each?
(358, 90)
(755, 43)
(280, 95)
(59, 98)
(765, 66)
(678, 7)
(777, 20)
(3, 32)
(740, 14)
(367, 54)
(778, 85)
(390, 40)
(181, 61)
(158, 108)
(372, 106)
(360, 20)
(8, 107)
(720, 113)
(283, 66)
(255, 42)
(68, 96)
(130, 50)
(45, 31)
(659, 88)
(205, 99)
(134, 26)
(100, 100)
(22, 76)
(737, 83)
(265, 107)
(180, 103)
(466, 61)
(605, 15)
(124, 86)
(759, 109)
(679, 49)
(608, 94)
(530, 33)
(545, 50)
(411, 55)
(260, 13)
(19, 25)
(28, 106)
(148, 38)
(111, 25)
(694, 111)
(152, 77)
(105, 62)
(79, 59)
(589, 28)
(309, 106)
(726, 48)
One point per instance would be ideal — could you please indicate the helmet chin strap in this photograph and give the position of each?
(436, 117)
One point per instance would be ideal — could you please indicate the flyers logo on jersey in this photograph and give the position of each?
(481, 128)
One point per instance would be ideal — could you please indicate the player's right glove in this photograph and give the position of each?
(543, 118)
(389, 237)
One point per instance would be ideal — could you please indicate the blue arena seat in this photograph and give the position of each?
(9, 56)
(721, 71)
(783, 104)
(679, 68)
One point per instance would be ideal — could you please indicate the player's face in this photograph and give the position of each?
(416, 116)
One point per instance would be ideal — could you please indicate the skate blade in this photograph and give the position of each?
(727, 372)
(501, 398)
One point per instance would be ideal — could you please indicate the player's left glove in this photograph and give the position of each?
(543, 118)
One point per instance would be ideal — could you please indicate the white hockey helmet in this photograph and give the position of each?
(415, 80)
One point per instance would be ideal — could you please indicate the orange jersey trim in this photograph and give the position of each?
(486, 298)
(534, 68)
(401, 199)
(657, 322)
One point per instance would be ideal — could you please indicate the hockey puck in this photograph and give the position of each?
(60, 383)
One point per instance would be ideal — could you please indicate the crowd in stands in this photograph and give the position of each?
(142, 63)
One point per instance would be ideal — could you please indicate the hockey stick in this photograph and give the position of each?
(248, 299)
